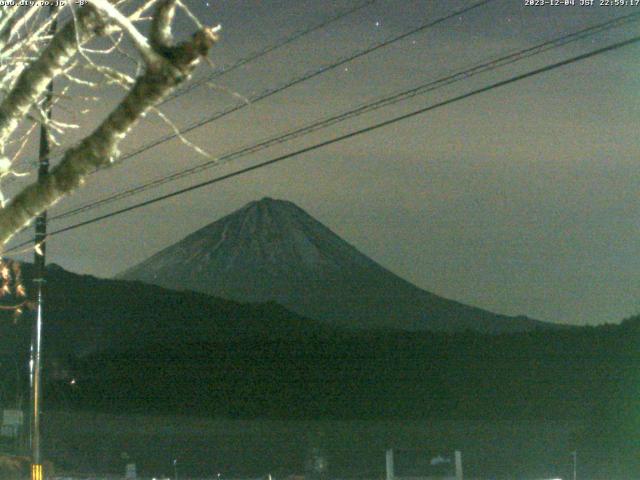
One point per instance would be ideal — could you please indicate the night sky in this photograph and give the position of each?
(521, 200)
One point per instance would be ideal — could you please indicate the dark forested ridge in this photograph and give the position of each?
(133, 348)
(376, 374)
(590, 375)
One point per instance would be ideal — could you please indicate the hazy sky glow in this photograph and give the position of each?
(522, 200)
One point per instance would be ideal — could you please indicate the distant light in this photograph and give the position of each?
(73, 381)
(377, 23)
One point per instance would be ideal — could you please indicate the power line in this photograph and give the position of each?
(365, 108)
(304, 77)
(346, 136)
(261, 53)
(250, 58)
(265, 51)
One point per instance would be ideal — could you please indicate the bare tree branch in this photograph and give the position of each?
(168, 67)
(33, 81)
(161, 24)
(139, 40)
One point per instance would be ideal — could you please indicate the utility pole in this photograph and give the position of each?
(574, 454)
(39, 280)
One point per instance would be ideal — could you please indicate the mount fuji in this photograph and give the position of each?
(272, 250)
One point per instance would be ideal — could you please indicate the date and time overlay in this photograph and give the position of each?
(527, 3)
(581, 3)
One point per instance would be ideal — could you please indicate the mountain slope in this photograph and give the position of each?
(272, 250)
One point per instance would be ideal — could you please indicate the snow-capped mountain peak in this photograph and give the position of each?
(272, 250)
